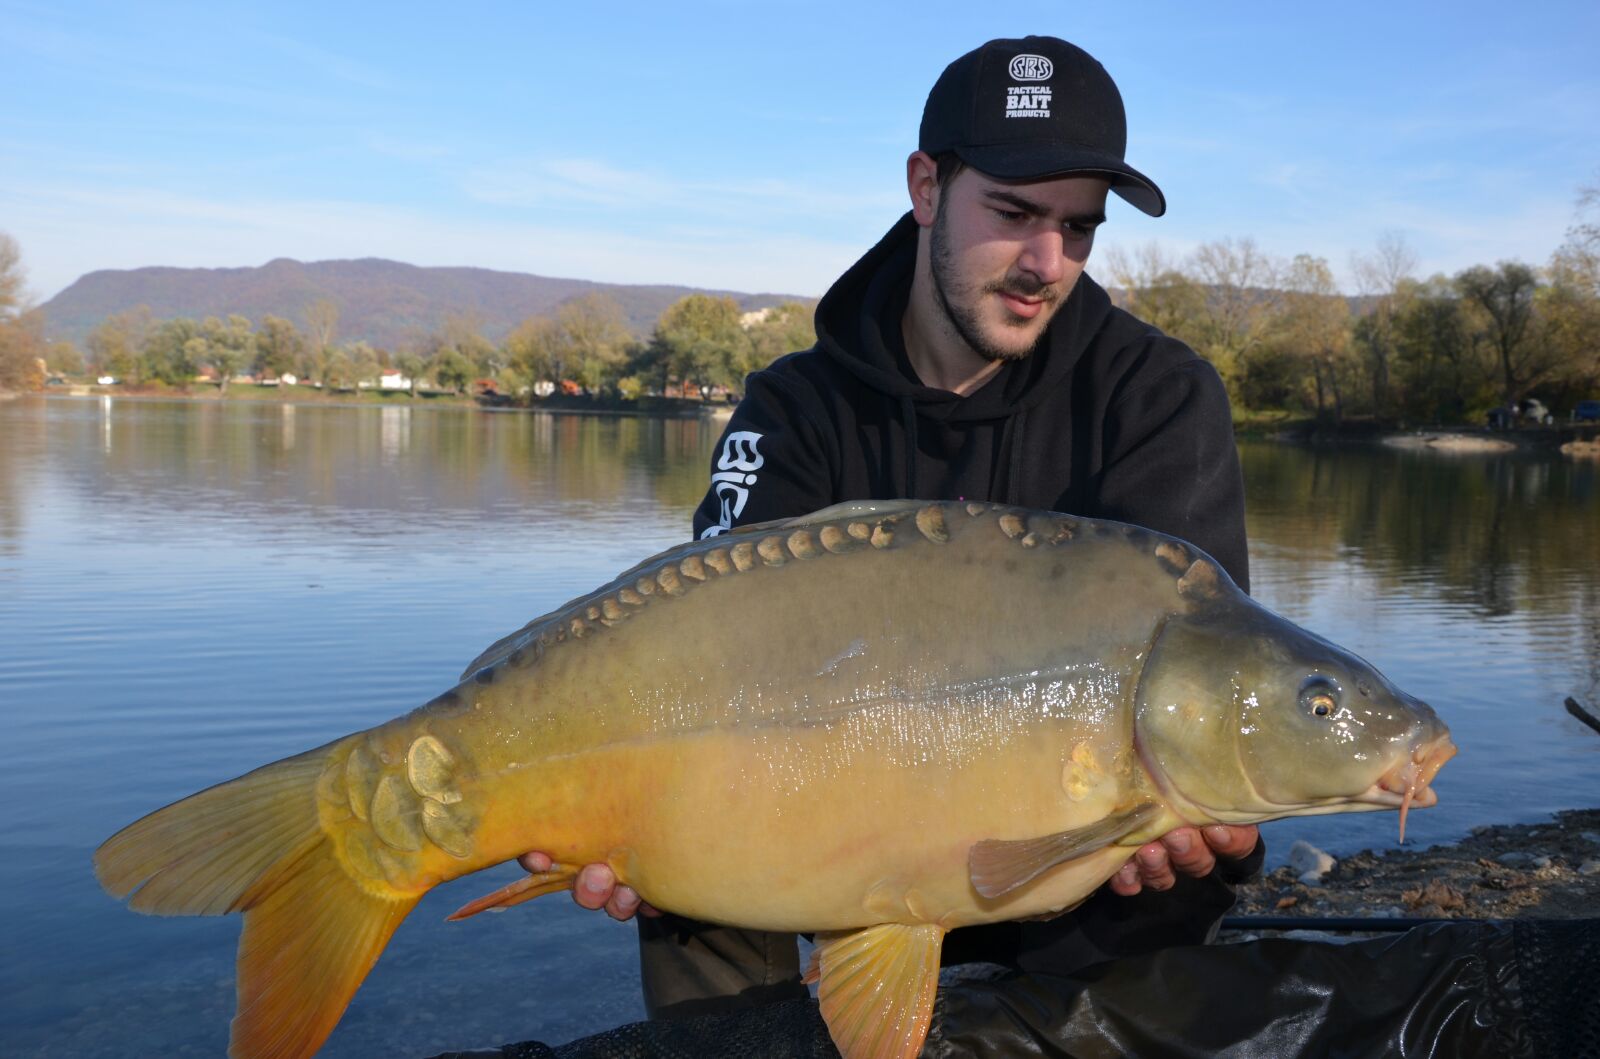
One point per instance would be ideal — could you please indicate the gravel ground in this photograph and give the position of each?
(1531, 871)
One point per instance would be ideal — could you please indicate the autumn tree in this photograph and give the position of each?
(1156, 289)
(1313, 328)
(168, 353)
(535, 349)
(1380, 279)
(1439, 366)
(1505, 294)
(1239, 284)
(22, 346)
(596, 338)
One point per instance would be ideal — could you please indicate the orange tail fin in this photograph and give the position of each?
(253, 845)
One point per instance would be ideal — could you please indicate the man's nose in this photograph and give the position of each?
(1044, 257)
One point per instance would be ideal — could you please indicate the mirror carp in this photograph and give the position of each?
(877, 722)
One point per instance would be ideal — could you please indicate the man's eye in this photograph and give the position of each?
(1010, 215)
(1080, 231)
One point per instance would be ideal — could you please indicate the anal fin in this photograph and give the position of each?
(876, 987)
(558, 878)
(999, 866)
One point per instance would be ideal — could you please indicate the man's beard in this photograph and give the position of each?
(964, 319)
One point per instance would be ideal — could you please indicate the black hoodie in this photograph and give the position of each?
(1108, 418)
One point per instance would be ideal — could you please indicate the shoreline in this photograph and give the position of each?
(1548, 870)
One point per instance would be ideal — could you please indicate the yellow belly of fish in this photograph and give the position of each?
(802, 833)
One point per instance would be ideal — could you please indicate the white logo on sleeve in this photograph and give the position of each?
(734, 476)
(1029, 101)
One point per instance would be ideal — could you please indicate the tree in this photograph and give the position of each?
(1314, 326)
(278, 346)
(451, 370)
(411, 364)
(1379, 277)
(22, 347)
(167, 353)
(535, 348)
(1158, 291)
(64, 358)
(1438, 356)
(783, 330)
(1505, 294)
(116, 341)
(701, 341)
(1238, 280)
(230, 345)
(595, 336)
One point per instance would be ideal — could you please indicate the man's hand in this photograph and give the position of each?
(595, 888)
(1187, 850)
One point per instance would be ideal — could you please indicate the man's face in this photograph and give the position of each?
(1004, 256)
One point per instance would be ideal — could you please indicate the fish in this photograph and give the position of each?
(875, 723)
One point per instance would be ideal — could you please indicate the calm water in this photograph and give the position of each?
(190, 590)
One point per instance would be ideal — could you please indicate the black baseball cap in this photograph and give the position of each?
(1035, 108)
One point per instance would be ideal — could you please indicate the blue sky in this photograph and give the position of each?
(756, 146)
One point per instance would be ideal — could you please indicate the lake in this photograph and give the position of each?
(192, 589)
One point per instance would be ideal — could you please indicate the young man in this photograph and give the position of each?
(967, 356)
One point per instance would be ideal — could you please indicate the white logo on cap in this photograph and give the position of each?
(1031, 68)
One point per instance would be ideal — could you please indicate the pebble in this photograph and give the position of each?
(1515, 859)
(1309, 863)
(1589, 867)
(1591, 837)
(1540, 863)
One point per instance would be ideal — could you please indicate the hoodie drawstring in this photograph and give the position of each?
(908, 412)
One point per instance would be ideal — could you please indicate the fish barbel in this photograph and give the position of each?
(878, 723)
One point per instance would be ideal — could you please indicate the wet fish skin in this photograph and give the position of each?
(879, 722)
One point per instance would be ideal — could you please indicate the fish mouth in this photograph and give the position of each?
(1407, 783)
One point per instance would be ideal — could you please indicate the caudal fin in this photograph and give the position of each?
(254, 845)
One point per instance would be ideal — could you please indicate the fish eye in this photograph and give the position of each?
(1319, 695)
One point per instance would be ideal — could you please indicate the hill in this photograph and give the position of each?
(387, 303)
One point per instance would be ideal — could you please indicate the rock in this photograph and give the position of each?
(1540, 863)
(1591, 837)
(1515, 859)
(1589, 867)
(1309, 863)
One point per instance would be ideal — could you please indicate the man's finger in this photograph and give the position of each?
(1188, 852)
(1232, 842)
(1155, 867)
(1126, 881)
(595, 884)
(623, 904)
(534, 863)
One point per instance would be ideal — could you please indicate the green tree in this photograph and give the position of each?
(1239, 283)
(115, 342)
(166, 356)
(1438, 357)
(279, 345)
(64, 358)
(785, 329)
(1158, 291)
(594, 333)
(701, 341)
(1505, 294)
(451, 370)
(536, 349)
(230, 345)
(411, 364)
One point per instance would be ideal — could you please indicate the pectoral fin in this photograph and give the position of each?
(561, 877)
(998, 867)
(876, 987)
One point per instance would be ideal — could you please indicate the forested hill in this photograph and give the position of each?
(388, 303)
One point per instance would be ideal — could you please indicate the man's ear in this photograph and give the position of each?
(922, 184)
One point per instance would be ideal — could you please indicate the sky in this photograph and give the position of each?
(757, 146)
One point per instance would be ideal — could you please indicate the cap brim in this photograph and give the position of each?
(1041, 161)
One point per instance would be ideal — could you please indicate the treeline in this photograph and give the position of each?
(1444, 349)
(701, 345)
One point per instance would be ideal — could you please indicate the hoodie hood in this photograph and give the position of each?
(858, 326)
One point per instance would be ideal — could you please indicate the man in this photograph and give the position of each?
(967, 356)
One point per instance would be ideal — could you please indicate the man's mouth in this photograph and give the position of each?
(1022, 305)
